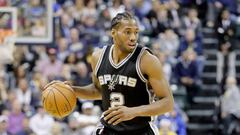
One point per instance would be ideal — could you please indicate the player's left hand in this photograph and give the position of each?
(118, 114)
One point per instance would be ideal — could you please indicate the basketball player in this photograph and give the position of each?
(123, 75)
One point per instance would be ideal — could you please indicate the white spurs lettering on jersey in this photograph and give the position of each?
(101, 80)
(132, 82)
(107, 78)
(122, 80)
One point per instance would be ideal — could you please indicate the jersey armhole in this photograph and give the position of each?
(139, 72)
(100, 60)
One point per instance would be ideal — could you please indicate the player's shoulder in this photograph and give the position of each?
(148, 56)
(149, 61)
(97, 54)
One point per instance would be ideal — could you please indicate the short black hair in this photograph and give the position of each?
(119, 17)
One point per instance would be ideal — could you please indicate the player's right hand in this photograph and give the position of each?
(68, 83)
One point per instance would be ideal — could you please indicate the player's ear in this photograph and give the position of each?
(113, 32)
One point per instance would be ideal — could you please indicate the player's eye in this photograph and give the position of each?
(128, 32)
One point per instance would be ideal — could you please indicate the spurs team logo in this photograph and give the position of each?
(112, 80)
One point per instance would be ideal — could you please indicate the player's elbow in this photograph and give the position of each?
(170, 104)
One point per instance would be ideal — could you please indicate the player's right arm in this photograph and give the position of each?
(91, 91)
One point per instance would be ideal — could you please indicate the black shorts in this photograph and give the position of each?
(150, 130)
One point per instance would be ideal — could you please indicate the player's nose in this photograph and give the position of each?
(133, 38)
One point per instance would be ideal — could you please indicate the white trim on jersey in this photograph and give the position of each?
(154, 128)
(118, 65)
(100, 60)
(150, 98)
(139, 72)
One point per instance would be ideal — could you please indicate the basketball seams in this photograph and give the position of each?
(64, 97)
(56, 103)
(57, 91)
(48, 85)
(67, 89)
(46, 99)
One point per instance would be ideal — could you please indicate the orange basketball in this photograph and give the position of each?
(58, 99)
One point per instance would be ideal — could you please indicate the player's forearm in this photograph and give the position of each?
(87, 92)
(157, 108)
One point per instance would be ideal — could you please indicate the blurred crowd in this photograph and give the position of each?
(173, 29)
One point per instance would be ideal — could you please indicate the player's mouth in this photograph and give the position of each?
(132, 45)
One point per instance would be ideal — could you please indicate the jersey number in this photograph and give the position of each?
(116, 99)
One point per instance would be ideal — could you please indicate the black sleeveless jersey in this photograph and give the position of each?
(123, 84)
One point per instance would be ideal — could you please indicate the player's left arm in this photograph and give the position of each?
(150, 66)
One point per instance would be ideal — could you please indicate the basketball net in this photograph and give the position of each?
(7, 42)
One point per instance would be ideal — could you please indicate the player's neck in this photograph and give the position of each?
(118, 55)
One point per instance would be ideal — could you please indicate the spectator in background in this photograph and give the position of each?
(41, 123)
(72, 128)
(90, 9)
(41, 52)
(192, 42)
(117, 7)
(16, 118)
(178, 124)
(165, 127)
(51, 66)
(24, 94)
(231, 5)
(26, 129)
(191, 21)
(27, 97)
(141, 8)
(230, 106)
(82, 75)
(66, 23)
(79, 4)
(35, 10)
(104, 20)
(25, 30)
(69, 67)
(225, 26)
(226, 63)
(90, 32)
(12, 96)
(167, 69)
(173, 14)
(128, 4)
(3, 125)
(76, 45)
(71, 61)
(87, 119)
(37, 82)
(62, 48)
(187, 75)
(169, 43)
(152, 19)
(163, 20)
(39, 29)
(216, 6)
(19, 73)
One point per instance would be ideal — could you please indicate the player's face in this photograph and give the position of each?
(126, 35)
